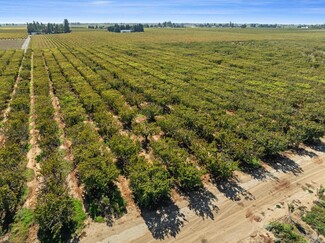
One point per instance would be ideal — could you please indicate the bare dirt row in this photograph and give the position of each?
(34, 151)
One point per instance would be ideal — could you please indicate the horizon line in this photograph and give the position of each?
(118, 22)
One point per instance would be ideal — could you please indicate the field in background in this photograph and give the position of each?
(84, 37)
(11, 44)
(12, 37)
(16, 32)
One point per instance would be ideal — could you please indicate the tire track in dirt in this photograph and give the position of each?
(233, 219)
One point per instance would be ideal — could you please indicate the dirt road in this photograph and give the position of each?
(228, 212)
(26, 44)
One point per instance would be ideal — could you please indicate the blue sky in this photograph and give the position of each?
(193, 11)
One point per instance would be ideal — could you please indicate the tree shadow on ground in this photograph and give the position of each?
(284, 164)
(318, 145)
(232, 190)
(164, 221)
(109, 220)
(259, 173)
(202, 202)
(303, 152)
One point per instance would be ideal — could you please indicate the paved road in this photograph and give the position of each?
(26, 44)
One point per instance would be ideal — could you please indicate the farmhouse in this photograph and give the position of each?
(126, 31)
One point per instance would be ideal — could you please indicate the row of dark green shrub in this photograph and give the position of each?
(13, 152)
(10, 62)
(56, 211)
(252, 132)
(94, 162)
(158, 117)
(177, 163)
(158, 182)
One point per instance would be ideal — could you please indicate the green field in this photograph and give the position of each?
(84, 37)
(162, 108)
(13, 32)
(12, 37)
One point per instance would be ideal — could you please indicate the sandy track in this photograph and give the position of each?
(26, 44)
(34, 150)
(213, 216)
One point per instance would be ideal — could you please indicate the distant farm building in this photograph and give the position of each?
(126, 31)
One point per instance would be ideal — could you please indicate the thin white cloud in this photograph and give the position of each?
(99, 3)
(312, 11)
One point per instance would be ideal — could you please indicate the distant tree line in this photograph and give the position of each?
(313, 26)
(49, 28)
(253, 25)
(166, 24)
(118, 27)
(96, 26)
(235, 25)
(169, 24)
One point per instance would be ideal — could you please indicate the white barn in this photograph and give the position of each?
(126, 31)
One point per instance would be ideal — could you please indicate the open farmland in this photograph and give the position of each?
(8, 32)
(156, 36)
(11, 44)
(12, 37)
(116, 125)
